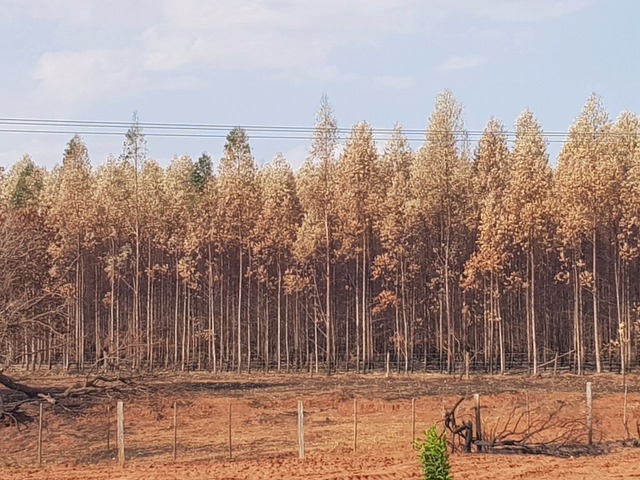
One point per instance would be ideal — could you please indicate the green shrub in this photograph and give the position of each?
(434, 456)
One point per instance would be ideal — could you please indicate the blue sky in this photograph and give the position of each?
(267, 62)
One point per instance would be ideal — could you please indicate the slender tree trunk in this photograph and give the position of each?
(96, 316)
(577, 316)
(447, 300)
(212, 324)
(239, 313)
(532, 304)
(176, 316)
(365, 356)
(357, 315)
(328, 316)
(249, 317)
(185, 327)
(150, 344)
(619, 314)
(594, 291)
(403, 301)
(279, 325)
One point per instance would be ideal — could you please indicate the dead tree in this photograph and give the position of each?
(522, 430)
(463, 432)
(96, 386)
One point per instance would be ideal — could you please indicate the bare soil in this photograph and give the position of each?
(264, 428)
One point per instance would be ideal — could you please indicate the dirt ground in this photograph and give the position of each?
(264, 428)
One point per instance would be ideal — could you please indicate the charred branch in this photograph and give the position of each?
(522, 431)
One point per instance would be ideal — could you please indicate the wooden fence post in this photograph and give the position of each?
(589, 414)
(40, 438)
(388, 364)
(625, 419)
(175, 430)
(121, 454)
(108, 427)
(413, 420)
(467, 364)
(300, 430)
(355, 424)
(229, 432)
(476, 399)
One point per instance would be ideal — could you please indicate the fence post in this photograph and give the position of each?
(589, 415)
(467, 362)
(355, 424)
(476, 399)
(175, 430)
(413, 420)
(625, 419)
(108, 427)
(229, 432)
(300, 430)
(40, 437)
(388, 364)
(121, 456)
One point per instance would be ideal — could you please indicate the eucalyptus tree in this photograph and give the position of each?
(276, 229)
(71, 215)
(586, 180)
(155, 202)
(202, 241)
(316, 236)
(393, 265)
(489, 261)
(113, 217)
(528, 206)
(22, 185)
(441, 180)
(134, 154)
(238, 211)
(358, 200)
(30, 316)
(626, 151)
(181, 193)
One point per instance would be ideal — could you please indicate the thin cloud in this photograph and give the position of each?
(527, 10)
(67, 78)
(397, 82)
(177, 44)
(465, 62)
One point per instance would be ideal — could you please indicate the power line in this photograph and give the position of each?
(210, 130)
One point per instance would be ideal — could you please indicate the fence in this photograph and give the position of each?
(219, 429)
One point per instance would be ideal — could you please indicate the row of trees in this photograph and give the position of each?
(431, 256)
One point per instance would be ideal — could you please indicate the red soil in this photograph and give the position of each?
(264, 429)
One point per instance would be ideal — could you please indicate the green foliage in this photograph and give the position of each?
(433, 456)
(22, 193)
(202, 172)
(25, 184)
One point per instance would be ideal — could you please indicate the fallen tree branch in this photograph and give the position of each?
(535, 432)
(101, 386)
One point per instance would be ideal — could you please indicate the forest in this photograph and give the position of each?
(478, 250)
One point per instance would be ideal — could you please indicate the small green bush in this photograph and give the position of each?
(434, 456)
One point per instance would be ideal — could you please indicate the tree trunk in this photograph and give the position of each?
(239, 313)
(532, 306)
(279, 325)
(594, 292)
(328, 291)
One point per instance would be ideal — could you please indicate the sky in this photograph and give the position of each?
(268, 62)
